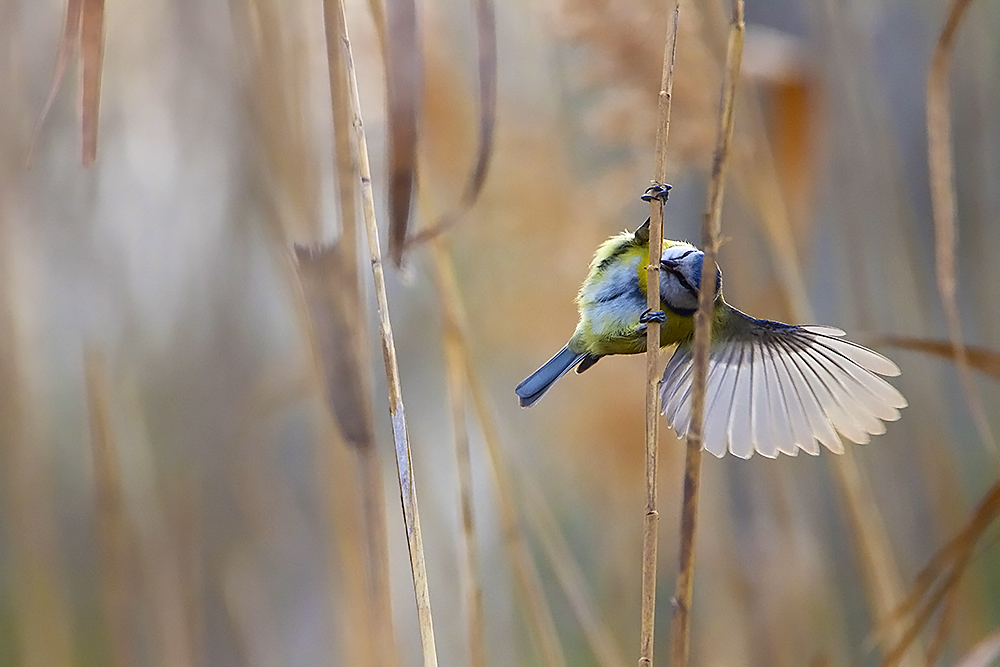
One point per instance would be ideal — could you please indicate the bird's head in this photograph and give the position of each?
(680, 277)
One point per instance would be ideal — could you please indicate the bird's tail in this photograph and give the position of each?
(536, 384)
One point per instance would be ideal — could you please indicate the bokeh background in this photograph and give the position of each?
(168, 264)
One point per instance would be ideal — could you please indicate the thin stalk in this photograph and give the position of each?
(457, 380)
(711, 230)
(357, 351)
(651, 516)
(940, 158)
(404, 465)
(540, 619)
(571, 579)
(112, 524)
(539, 616)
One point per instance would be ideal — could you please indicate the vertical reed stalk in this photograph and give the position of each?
(711, 229)
(942, 184)
(539, 616)
(651, 516)
(457, 379)
(407, 485)
(41, 622)
(373, 503)
(571, 578)
(112, 525)
(540, 620)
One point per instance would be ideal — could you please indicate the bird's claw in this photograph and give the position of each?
(659, 191)
(650, 315)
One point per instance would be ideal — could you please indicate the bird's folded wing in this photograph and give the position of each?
(776, 387)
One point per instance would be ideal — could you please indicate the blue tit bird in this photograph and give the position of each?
(771, 387)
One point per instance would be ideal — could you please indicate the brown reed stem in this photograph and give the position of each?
(457, 381)
(358, 350)
(940, 158)
(540, 620)
(680, 633)
(112, 524)
(651, 517)
(539, 616)
(404, 465)
(571, 578)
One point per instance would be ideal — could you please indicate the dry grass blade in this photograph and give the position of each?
(982, 359)
(571, 579)
(403, 75)
(983, 654)
(112, 525)
(486, 33)
(457, 391)
(349, 287)
(323, 286)
(68, 39)
(539, 615)
(940, 159)
(92, 54)
(711, 229)
(41, 619)
(946, 567)
(407, 486)
(540, 620)
(651, 517)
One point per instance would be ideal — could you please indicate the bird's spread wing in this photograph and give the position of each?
(776, 387)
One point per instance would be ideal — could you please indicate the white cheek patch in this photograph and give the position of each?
(675, 252)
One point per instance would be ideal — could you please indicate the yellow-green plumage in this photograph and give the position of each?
(604, 330)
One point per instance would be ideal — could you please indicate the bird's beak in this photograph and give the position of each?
(669, 264)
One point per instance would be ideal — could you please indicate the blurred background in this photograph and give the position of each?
(173, 490)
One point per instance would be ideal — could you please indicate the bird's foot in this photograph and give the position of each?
(659, 191)
(650, 315)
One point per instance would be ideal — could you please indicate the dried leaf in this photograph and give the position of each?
(404, 75)
(983, 654)
(71, 31)
(940, 165)
(487, 37)
(322, 274)
(982, 359)
(92, 54)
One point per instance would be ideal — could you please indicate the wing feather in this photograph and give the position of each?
(798, 414)
(776, 388)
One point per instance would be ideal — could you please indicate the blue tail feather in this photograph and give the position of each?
(536, 384)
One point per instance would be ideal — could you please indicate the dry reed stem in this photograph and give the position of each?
(486, 37)
(357, 349)
(680, 632)
(759, 178)
(159, 562)
(982, 359)
(457, 380)
(540, 620)
(940, 157)
(407, 485)
(318, 287)
(40, 620)
(404, 73)
(982, 654)
(946, 567)
(882, 581)
(68, 39)
(92, 55)
(539, 616)
(651, 516)
(571, 579)
(112, 525)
